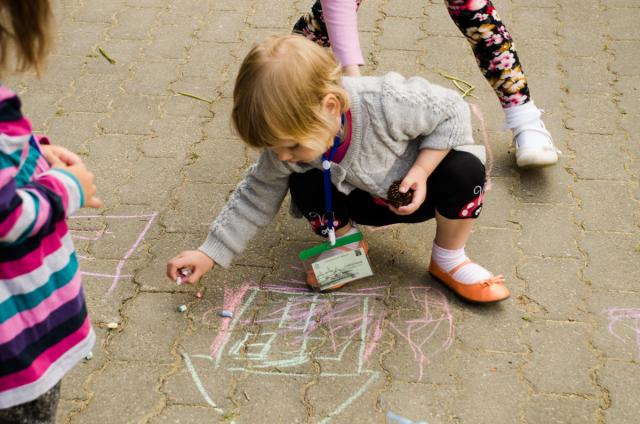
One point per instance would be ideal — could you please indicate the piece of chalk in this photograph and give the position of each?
(182, 308)
(199, 295)
(226, 314)
(184, 273)
(89, 356)
(112, 325)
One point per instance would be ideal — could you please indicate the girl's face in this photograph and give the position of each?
(292, 151)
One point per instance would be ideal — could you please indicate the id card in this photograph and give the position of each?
(340, 269)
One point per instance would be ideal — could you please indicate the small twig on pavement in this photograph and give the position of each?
(106, 56)
(193, 96)
(457, 82)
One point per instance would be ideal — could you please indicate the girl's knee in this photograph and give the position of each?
(461, 182)
(464, 171)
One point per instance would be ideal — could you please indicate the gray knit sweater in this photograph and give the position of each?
(392, 119)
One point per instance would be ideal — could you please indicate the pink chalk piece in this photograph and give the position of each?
(199, 295)
(184, 274)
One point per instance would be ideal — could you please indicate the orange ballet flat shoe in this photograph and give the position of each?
(485, 291)
(312, 281)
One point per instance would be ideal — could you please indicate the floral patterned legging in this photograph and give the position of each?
(479, 22)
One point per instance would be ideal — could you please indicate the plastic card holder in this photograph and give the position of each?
(338, 269)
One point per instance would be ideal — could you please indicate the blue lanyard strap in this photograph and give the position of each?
(326, 170)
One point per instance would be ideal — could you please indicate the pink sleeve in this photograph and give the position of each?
(341, 18)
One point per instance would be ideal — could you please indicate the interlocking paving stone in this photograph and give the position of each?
(562, 349)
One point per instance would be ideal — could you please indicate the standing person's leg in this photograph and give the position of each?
(334, 23)
(457, 189)
(312, 26)
(498, 60)
(41, 410)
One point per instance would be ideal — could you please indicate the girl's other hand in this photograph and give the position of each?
(86, 179)
(59, 156)
(197, 261)
(416, 179)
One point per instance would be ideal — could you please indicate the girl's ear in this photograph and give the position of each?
(331, 104)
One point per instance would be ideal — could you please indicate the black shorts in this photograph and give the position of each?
(455, 189)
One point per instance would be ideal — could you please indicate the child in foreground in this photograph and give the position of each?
(44, 326)
(292, 102)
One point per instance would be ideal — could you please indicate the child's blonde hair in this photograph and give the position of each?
(26, 31)
(279, 90)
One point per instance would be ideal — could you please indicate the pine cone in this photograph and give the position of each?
(397, 199)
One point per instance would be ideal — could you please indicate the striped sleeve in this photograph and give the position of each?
(29, 202)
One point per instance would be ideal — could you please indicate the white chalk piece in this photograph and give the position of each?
(89, 356)
(182, 308)
(178, 280)
(112, 325)
(226, 314)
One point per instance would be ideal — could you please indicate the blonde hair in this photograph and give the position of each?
(279, 90)
(26, 31)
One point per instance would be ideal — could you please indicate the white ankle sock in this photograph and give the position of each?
(341, 249)
(449, 259)
(517, 116)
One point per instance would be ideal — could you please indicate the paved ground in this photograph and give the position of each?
(563, 349)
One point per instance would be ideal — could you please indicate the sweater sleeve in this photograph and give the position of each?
(414, 109)
(30, 208)
(253, 205)
(341, 19)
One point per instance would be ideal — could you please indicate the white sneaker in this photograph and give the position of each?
(534, 145)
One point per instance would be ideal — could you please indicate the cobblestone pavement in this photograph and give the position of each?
(563, 349)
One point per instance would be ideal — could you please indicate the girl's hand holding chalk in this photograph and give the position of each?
(189, 266)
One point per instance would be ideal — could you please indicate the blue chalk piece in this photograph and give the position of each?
(226, 314)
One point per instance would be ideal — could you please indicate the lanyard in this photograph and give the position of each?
(326, 170)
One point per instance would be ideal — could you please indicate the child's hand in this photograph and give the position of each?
(59, 156)
(415, 179)
(197, 261)
(86, 179)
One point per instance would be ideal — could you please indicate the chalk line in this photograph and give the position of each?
(351, 399)
(363, 333)
(199, 385)
(227, 334)
(130, 252)
(95, 274)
